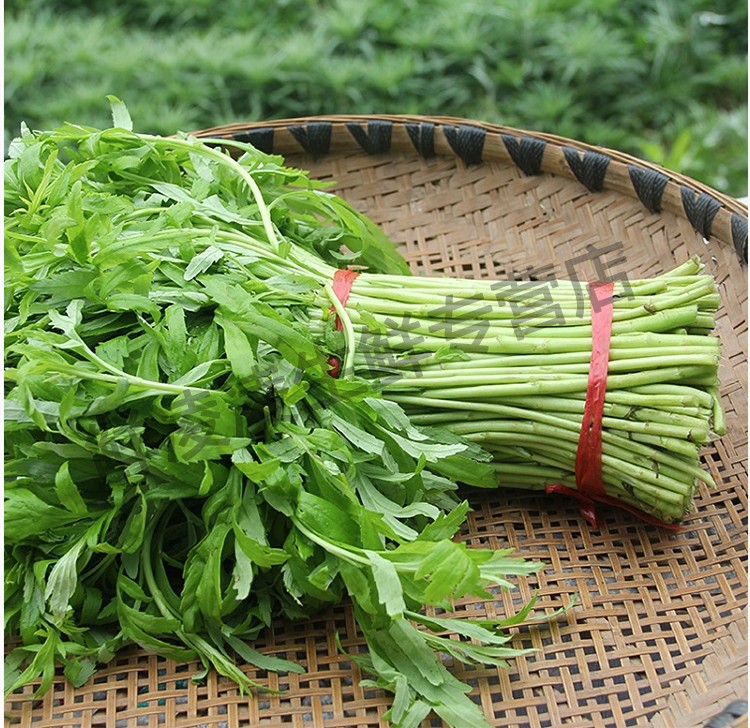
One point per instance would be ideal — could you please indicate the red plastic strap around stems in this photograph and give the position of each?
(588, 468)
(343, 280)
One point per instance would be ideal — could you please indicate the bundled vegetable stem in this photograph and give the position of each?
(513, 375)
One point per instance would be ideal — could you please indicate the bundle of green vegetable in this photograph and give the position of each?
(506, 365)
(182, 470)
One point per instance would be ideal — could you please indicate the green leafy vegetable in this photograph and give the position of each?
(182, 470)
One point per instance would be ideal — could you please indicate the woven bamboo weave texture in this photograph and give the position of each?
(659, 634)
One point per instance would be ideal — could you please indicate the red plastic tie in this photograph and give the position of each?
(588, 469)
(343, 280)
(589, 453)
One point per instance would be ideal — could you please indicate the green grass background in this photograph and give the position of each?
(665, 80)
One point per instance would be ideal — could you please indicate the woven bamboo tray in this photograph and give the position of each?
(659, 634)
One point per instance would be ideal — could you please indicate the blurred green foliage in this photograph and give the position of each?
(665, 80)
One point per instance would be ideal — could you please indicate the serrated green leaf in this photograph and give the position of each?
(239, 352)
(390, 590)
(327, 519)
(67, 491)
(264, 662)
(202, 262)
(62, 582)
(134, 530)
(120, 115)
(257, 472)
(259, 554)
(357, 436)
(27, 515)
(431, 451)
(445, 525)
